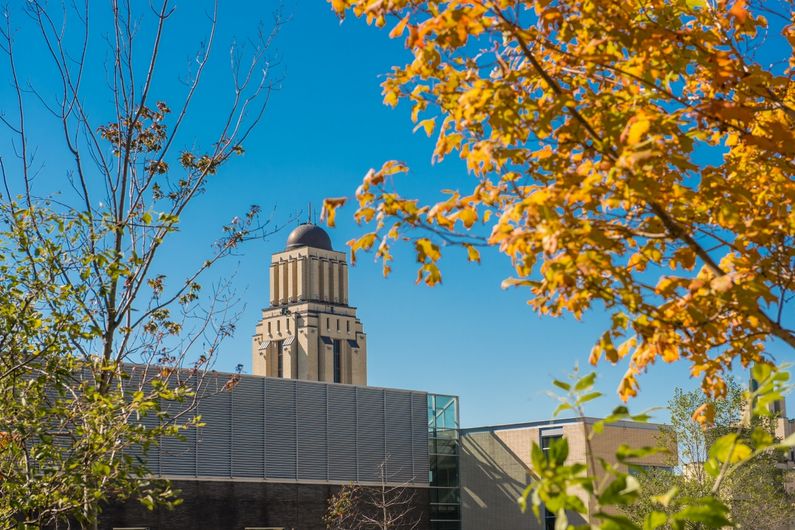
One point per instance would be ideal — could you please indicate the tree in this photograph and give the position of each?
(760, 482)
(382, 507)
(102, 353)
(612, 497)
(634, 156)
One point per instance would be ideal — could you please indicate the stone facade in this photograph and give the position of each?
(309, 331)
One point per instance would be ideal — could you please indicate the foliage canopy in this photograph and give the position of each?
(83, 296)
(636, 156)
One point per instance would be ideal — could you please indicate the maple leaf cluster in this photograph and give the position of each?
(585, 126)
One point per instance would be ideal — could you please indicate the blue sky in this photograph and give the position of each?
(323, 129)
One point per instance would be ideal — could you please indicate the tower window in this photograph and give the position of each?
(337, 348)
(338, 324)
(280, 358)
(348, 326)
(328, 323)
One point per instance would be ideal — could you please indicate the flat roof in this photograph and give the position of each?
(562, 421)
(211, 372)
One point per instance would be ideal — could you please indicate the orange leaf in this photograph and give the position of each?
(739, 11)
(705, 415)
(397, 31)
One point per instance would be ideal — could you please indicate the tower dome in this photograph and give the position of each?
(308, 235)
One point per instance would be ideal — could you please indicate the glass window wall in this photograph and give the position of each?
(443, 451)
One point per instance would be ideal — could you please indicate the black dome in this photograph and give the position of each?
(309, 235)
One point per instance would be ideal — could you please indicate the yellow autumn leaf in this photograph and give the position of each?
(473, 254)
(426, 125)
(329, 211)
(635, 130)
(468, 216)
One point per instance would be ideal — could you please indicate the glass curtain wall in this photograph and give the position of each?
(443, 449)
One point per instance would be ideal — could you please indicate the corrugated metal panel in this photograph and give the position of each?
(287, 429)
(311, 405)
(370, 441)
(215, 438)
(280, 441)
(400, 465)
(341, 433)
(178, 456)
(248, 428)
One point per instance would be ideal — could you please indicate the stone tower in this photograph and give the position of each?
(309, 331)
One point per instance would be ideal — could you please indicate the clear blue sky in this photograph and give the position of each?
(322, 131)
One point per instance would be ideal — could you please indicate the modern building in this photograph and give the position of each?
(280, 442)
(495, 465)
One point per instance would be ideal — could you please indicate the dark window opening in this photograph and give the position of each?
(549, 520)
(337, 345)
(547, 440)
(280, 358)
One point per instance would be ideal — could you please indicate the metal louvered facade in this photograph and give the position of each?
(301, 431)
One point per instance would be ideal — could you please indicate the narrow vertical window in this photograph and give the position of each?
(280, 358)
(337, 361)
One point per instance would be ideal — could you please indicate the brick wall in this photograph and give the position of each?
(235, 505)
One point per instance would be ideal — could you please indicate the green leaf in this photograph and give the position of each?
(588, 397)
(561, 521)
(728, 449)
(654, 520)
(537, 457)
(585, 382)
(712, 467)
(625, 452)
(622, 490)
(560, 408)
(761, 438)
(558, 451)
(562, 385)
(707, 510)
(616, 522)
(665, 498)
(760, 372)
